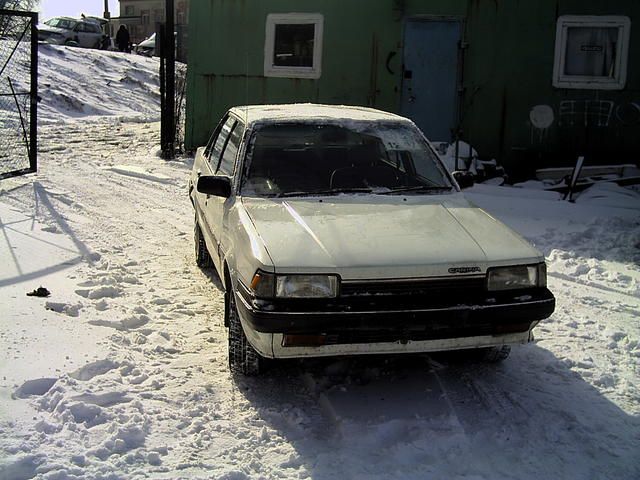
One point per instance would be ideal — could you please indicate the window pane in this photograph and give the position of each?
(591, 51)
(294, 45)
(229, 156)
(214, 158)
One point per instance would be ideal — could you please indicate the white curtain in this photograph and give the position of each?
(591, 51)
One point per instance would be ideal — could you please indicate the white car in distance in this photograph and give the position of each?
(337, 231)
(68, 31)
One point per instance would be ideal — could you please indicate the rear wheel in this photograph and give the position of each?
(243, 358)
(203, 259)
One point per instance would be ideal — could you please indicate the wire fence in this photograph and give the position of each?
(18, 92)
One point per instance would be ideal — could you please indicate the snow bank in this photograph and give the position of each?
(77, 83)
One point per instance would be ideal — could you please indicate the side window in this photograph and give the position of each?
(215, 150)
(89, 28)
(213, 138)
(591, 52)
(228, 161)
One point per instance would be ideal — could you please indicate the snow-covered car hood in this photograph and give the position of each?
(374, 236)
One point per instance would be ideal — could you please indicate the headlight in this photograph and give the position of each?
(269, 285)
(514, 278)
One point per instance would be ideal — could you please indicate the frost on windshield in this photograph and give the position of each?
(358, 157)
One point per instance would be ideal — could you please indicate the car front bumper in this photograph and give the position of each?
(390, 326)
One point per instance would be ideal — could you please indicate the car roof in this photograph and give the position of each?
(311, 112)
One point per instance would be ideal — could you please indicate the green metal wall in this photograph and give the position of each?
(508, 69)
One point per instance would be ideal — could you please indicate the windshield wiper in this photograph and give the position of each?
(332, 191)
(418, 188)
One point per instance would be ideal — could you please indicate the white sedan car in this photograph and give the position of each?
(337, 231)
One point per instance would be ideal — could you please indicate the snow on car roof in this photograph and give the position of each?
(311, 111)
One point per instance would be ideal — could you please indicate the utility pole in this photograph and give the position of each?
(106, 15)
(168, 118)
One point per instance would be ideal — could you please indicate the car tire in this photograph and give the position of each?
(203, 258)
(243, 358)
(495, 354)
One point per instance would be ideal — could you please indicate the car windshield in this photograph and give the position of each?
(61, 23)
(293, 159)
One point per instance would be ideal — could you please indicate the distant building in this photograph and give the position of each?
(142, 17)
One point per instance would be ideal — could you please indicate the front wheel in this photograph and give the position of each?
(243, 358)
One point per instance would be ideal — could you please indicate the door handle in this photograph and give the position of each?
(412, 98)
(389, 57)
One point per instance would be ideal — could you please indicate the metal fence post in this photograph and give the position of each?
(33, 124)
(169, 54)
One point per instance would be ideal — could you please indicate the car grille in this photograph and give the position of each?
(396, 295)
(434, 288)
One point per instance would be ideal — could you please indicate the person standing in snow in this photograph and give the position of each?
(122, 39)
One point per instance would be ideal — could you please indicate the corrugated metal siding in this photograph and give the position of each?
(507, 70)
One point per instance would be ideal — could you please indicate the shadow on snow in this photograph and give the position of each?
(444, 415)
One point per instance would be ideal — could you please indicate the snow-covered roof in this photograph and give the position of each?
(312, 112)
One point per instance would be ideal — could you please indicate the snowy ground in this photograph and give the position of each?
(122, 372)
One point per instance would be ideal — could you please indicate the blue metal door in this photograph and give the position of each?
(429, 85)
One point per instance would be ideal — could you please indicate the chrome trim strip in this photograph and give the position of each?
(414, 279)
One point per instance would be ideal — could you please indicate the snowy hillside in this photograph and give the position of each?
(78, 83)
(121, 373)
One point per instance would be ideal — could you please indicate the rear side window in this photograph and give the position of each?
(228, 161)
(215, 151)
(92, 28)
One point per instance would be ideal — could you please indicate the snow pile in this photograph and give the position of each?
(601, 193)
(77, 83)
(610, 194)
(467, 158)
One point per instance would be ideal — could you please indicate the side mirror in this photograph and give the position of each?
(464, 178)
(213, 185)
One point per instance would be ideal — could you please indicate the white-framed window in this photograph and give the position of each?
(591, 52)
(293, 45)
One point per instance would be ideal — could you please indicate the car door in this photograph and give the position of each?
(207, 206)
(88, 36)
(81, 34)
(217, 208)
